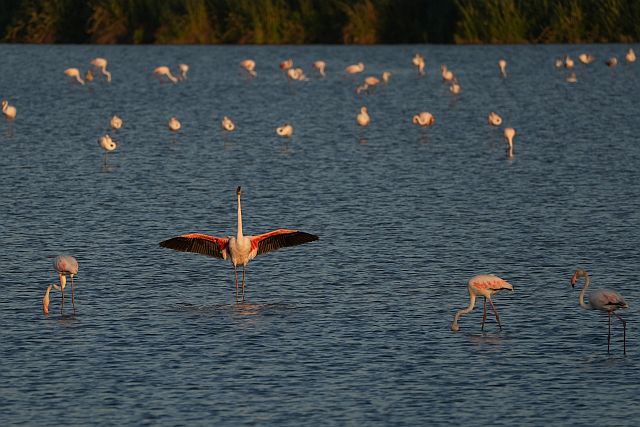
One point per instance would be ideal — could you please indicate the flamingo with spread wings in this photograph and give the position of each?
(240, 249)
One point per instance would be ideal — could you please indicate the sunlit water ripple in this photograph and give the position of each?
(352, 329)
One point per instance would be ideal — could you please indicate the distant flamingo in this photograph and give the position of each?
(184, 69)
(174, 124)
(88, 76)
(572, 78)
(603, 300)
(227, 125)
(586, 58)
(630, 56)
(418, 62)
(45, 300)
(101, 64)
(611, 62)
(355, 68)
(240, 248)
(286, 64)
(66, 265)
(249, 65)
(483, 285)
(75, 73)
(163, 70)
(502, 64)
(108, 145)
(320, 67)
(363, 118)
(455, 87)
(286, 130)
(386, 76)
(9, 111)
(509, 134)
(447, 75)
(296, 74)
(568, 62)
(424, 119)
(371, 80)
(494, 119)
(116, 122)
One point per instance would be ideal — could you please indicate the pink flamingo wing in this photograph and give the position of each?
(277, 239)
(199, 243)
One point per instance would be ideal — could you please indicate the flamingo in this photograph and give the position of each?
(101, 64)
(630, 56)
(363, 118)
(286, 130)
(603, 300)
(286, 64)
(418, 62)
(611, 62)
(320, 66)
(240, 248)
(424, 119)
(558, 62)
(447, 75)
(108, 145)
(296, 74)
(509, 134)
(227, 125)
(502, 64)
(75, 73)
(184, 69)
(174, 124)
(163, 70)
(494, 119)
(572, 78)
(386, 75)
(355, 68)
(568, 62)
(455, 88)
(88, 76)
(116, 122)
(483, 285)
(66, 265)
(9, 111)
(586, 58)
(45, 300)
(250, 66)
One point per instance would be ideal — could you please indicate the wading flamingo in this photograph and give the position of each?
(355, 68)
(483, 285)
(363, 118)
(101, 64)
(586, 58)
(184, 69)
(286, 130)
(45, 300)
(227, 125)
(502, 64)
(630, 56)
(603, 300)
(447, 75)
(286, 64)
(423, 119)
(88, 76)
(9, 111)
(66, 265)
(494, 119)
(107, 144)
(174, 124)
(611, 62)
(558, 62)
(386, 76)
(320, 66)
(418, 62)
(572, 78)
(455, 87)
(163, 70)
(75, 73)
(296, 74)
(240, 248)
(249, 65)
(568, 62)
(116, 122)
(509, 134)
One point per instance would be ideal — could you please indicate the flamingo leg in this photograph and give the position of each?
(244, 269)
(624, 329)
(496, 313)
(235, 270)
(62, 301)
(484, 314)
(73, 297)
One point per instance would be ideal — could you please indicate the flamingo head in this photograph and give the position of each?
(239, 191)
(579, 273)
(455, 327)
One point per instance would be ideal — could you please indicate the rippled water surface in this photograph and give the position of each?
(355, 328)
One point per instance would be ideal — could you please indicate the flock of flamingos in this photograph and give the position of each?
(240, 249)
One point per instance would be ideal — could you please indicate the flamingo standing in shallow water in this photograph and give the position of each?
(355, 68)
(363, 118)
(509, 134)
(418, 62)
(502, 64)
(630, 56)
(9, 111)
(240, 248)
(603, 300)
(320, 66)
(455, 87)
(227, 125)
(75, 73)
(494, 119)
(611, 62)
(116, 123)
(386, 76)
(163, 70)
(101, 64)
(66, 265)
(174, 124)
(423, 119)
(184, 69)
(483, 285)
(286, 130)
(249, 65)
(586, 58)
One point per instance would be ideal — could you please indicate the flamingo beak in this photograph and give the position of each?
(574, 278)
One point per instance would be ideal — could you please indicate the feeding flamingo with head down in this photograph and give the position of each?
(483, 285)
(320, 67)
(101, 64)
(163, 70)
(604, 300)
(9, 111)
(75, 73)
(240, 249)
(249, 65)
(66, 265)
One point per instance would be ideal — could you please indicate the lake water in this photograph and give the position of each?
(353, 329)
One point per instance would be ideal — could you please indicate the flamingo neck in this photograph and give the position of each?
(464, 311)
(239, 219)
(583, 292)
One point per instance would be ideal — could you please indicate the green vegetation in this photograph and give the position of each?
(319, 21)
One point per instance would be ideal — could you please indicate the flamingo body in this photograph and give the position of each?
(494, 119)
(163, 70)
(418, 62)
(75, 73)
(116, 122)
(9, 111)
(227, 125)
(65, 265)
(174, 124)
(424, 119)
(363, 118)
(239, 249)
(455, 88)
(354, 68)
(107, 143)
(286, 64)
(184, 69)
(249, 65)
(484, 285)
(502, 64)
(286, 130)
(101, 64)
(386, 76)
(611, 62)
(320, 67)
(630, 56)
(586, 58)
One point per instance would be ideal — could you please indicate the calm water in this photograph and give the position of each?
(352, 329)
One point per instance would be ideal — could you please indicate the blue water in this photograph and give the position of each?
(353, 329)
